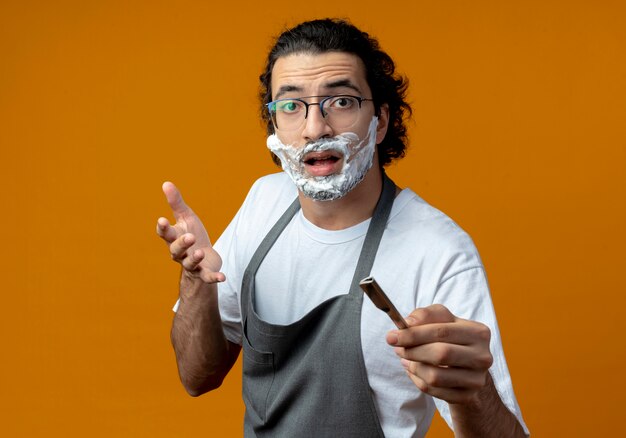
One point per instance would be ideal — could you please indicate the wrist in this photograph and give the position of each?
(485, 415)
(194, 289)
(482, 397)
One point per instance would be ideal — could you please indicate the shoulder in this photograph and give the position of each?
(272, 188)
(266, 201)
(413, 218)
(274, 181)
(422, 250)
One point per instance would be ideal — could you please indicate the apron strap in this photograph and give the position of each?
(264, 248)
(374, 234)
(368, 252)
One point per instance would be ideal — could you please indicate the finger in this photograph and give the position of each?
(191, 262)
(179, 247)
(431, 314)
(165, 230)
(451, 355)
(175, 199)
(451, 395)
(446, 377)
(461, 332)
(212, 277)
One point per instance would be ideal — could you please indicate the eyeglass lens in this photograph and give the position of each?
(340, 112)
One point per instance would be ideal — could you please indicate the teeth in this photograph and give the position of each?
(325, 158)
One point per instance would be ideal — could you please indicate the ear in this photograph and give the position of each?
(383, 123)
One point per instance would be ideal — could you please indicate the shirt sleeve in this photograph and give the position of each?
(466, 295)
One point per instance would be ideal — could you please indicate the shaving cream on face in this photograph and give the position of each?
(357, 160)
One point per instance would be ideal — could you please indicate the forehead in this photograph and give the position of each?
(315, 74)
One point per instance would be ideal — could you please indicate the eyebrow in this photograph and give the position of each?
(341, 83)
(286, 89)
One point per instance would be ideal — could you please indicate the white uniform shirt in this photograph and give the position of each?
(424, 258)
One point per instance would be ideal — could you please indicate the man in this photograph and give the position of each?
(318, 359)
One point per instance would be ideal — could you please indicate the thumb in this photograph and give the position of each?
(175, 200)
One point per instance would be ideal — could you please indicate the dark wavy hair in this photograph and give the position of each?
(336, 35)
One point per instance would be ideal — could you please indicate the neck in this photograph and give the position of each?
(357, 206)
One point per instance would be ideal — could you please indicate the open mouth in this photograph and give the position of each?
(323, 163)
(322, 158)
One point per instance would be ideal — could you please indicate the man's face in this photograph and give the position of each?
(321, 75)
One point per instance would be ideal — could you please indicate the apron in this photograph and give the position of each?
(308, 378)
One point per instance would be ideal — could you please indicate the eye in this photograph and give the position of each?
(342, 103)
(289, 106)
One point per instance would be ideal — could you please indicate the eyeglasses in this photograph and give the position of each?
(340, 112)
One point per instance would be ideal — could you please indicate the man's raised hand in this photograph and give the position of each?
(188, 241)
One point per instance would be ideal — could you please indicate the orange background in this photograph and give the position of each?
(518, 134)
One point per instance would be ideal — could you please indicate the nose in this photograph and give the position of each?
(315, 125)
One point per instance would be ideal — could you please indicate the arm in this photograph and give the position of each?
(487, 416)
(449, 358)
(203, 354)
